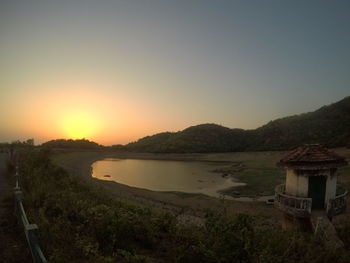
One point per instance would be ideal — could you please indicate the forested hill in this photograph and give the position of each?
(329, 125)
(72, 144)
(200, 138)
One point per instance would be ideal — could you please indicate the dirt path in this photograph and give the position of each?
(13, 247)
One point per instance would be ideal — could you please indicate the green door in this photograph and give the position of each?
(317, 191)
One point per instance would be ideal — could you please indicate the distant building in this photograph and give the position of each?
(311, 185)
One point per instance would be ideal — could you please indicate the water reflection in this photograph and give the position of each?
(189, 177)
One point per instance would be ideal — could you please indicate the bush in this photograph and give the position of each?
(78, 223)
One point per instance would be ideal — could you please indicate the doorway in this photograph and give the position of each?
(317, 191)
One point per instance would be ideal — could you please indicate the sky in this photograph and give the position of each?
(116, 71)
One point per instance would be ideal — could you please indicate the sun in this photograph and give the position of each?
(78, 125)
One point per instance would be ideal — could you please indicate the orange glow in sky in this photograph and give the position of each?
(77, 125)
(116, 71)
(75, 110)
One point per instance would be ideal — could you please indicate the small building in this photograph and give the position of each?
(311, 183)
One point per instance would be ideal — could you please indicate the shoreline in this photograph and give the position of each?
(78, 164)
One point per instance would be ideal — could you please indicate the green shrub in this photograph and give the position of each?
(79, 223)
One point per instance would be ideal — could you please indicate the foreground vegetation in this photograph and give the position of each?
(79, 223)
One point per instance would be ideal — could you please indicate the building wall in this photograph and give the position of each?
(331, 187)
(296, 185)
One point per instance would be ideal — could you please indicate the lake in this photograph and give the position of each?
(158, 175)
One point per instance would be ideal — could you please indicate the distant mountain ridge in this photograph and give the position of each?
(329, 125)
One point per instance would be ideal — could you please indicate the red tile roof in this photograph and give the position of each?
(312, 155)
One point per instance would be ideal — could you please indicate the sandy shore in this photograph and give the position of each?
(78, 164)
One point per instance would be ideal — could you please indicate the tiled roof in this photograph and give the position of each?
(312, 154)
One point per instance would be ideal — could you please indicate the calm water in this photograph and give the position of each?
(189, 177)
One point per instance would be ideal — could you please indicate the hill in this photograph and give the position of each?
(200, 138)
(71, 144)
(329, 125)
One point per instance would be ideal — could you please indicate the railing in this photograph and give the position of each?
(294, 206)
(30, 230)
(337, 205)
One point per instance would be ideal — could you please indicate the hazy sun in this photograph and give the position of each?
(80, 125)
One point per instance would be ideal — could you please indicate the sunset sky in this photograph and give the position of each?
(115, 71)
